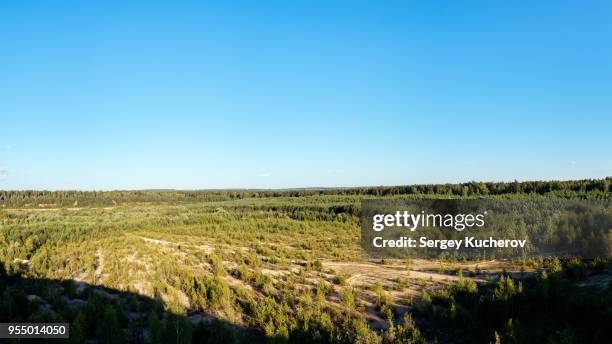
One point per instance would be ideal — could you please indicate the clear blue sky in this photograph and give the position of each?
(299, 94)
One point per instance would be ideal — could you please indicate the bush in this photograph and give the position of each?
(342, 279)
(576, 268)
(552, 264)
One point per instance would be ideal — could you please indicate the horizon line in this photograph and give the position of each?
(304, 187)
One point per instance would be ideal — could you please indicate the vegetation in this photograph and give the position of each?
(279, 266)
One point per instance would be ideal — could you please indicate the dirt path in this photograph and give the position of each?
(206, 248)
(367, 273)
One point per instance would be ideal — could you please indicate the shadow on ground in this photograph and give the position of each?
(101, 315)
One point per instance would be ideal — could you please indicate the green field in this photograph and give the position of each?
(280, 266)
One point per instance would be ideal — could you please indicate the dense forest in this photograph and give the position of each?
(592, 188)
(549, 226)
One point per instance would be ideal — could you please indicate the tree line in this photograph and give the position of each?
(595, 188)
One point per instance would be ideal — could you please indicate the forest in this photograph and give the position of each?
(595, 188)
(286, 266)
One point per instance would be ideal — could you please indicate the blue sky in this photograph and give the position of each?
(267, 94)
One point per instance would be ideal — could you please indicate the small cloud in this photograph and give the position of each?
(3, 173)
(264, 175)
(8, 147)
(338, 171)
(572, 163)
